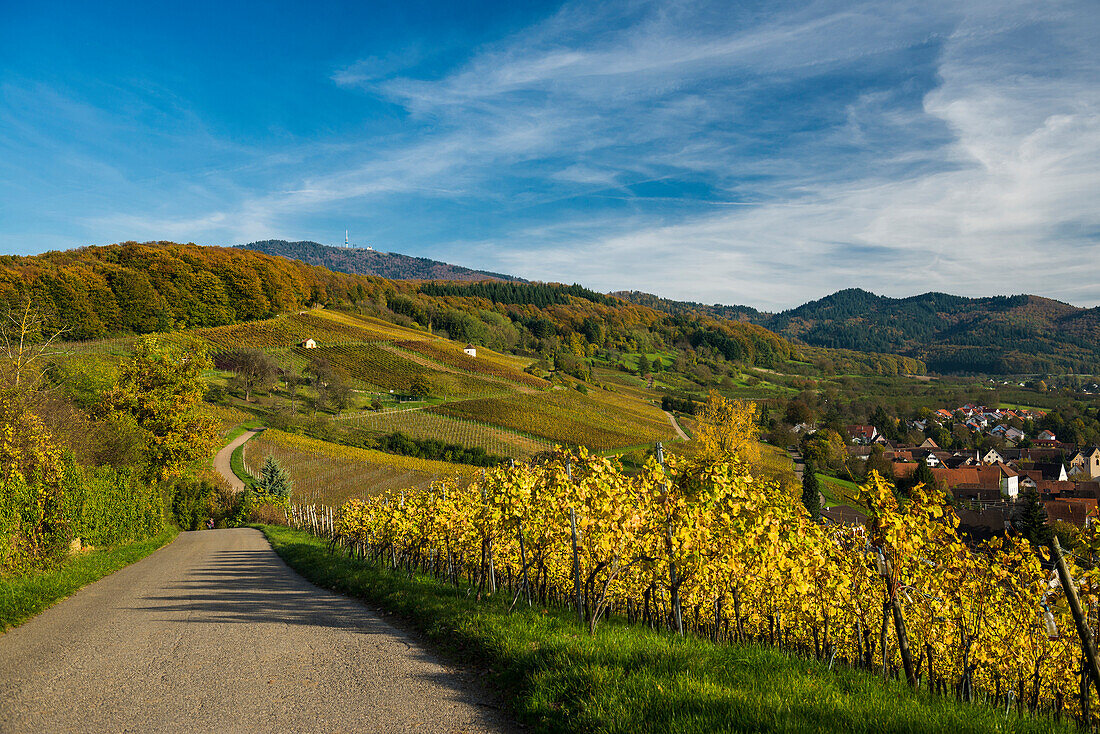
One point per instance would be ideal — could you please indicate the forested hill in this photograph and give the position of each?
(715, 311)
(951, 334)
(357, 261)
(1000, 334)
(138, 288)
(133, 288)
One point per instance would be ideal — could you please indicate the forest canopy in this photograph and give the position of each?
(134, 288)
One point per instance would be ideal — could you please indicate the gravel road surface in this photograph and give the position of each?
(223, 459)
(676, 426)
(214, 633)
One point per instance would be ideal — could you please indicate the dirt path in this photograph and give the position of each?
(215, 633)
(799, 464)
(223, 459)
(675, 425)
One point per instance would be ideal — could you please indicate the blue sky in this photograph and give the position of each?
(737, 152)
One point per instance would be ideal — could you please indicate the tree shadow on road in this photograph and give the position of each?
(256, 587)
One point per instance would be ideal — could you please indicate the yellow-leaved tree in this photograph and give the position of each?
(161, 388)
(726, 428)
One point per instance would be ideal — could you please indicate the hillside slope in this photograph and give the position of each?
(951, 334)
(137, 288)
(716, 310)
(1000, 334)
(356, 261)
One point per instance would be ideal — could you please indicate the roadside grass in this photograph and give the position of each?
(22, 597)
(556, 678)
(236, 464)
(236, 432)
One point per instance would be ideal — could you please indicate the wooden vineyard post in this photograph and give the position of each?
(899, 625)
(523, 562)
(1083, 631)
(489, 541)
(452, 572)
(576, 567)
(673, 585)
(576, 555)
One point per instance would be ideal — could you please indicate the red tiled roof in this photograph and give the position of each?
(1072, 510)
(982, 476)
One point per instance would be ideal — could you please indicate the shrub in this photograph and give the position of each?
(192, 503)
(109, 506)
(103, 506)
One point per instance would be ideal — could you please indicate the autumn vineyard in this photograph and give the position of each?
(701, 546)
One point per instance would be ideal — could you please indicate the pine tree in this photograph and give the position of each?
(811, 491)
(274, 481)
(1031, 519)
(923, 475)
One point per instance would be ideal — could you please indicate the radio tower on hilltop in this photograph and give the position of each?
(346, 239)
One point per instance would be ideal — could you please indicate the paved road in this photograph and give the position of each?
(214, 633)
(223, 459)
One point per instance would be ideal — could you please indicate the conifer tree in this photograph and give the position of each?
(274, 481)
(811, 491)
(1031, 519)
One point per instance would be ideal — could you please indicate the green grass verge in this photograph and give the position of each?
(842, 491)
(22, 597)
(628, 679)
(246, 426)
(236, 464)
(1019, 406)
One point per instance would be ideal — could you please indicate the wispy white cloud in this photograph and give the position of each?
(702, 150)
(1012, 208)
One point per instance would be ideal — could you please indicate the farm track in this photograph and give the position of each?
(215, 633)
(223, 460)
(675, 425)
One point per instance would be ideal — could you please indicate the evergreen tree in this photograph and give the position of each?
(1031, 519)
(274, 481)
(923, 475)
(811, 491)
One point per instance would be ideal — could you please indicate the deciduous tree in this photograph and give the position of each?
(727, 427)
(161, 386)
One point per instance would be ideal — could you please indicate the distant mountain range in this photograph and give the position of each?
(356, 261)
(951, 334)
(161, 286)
